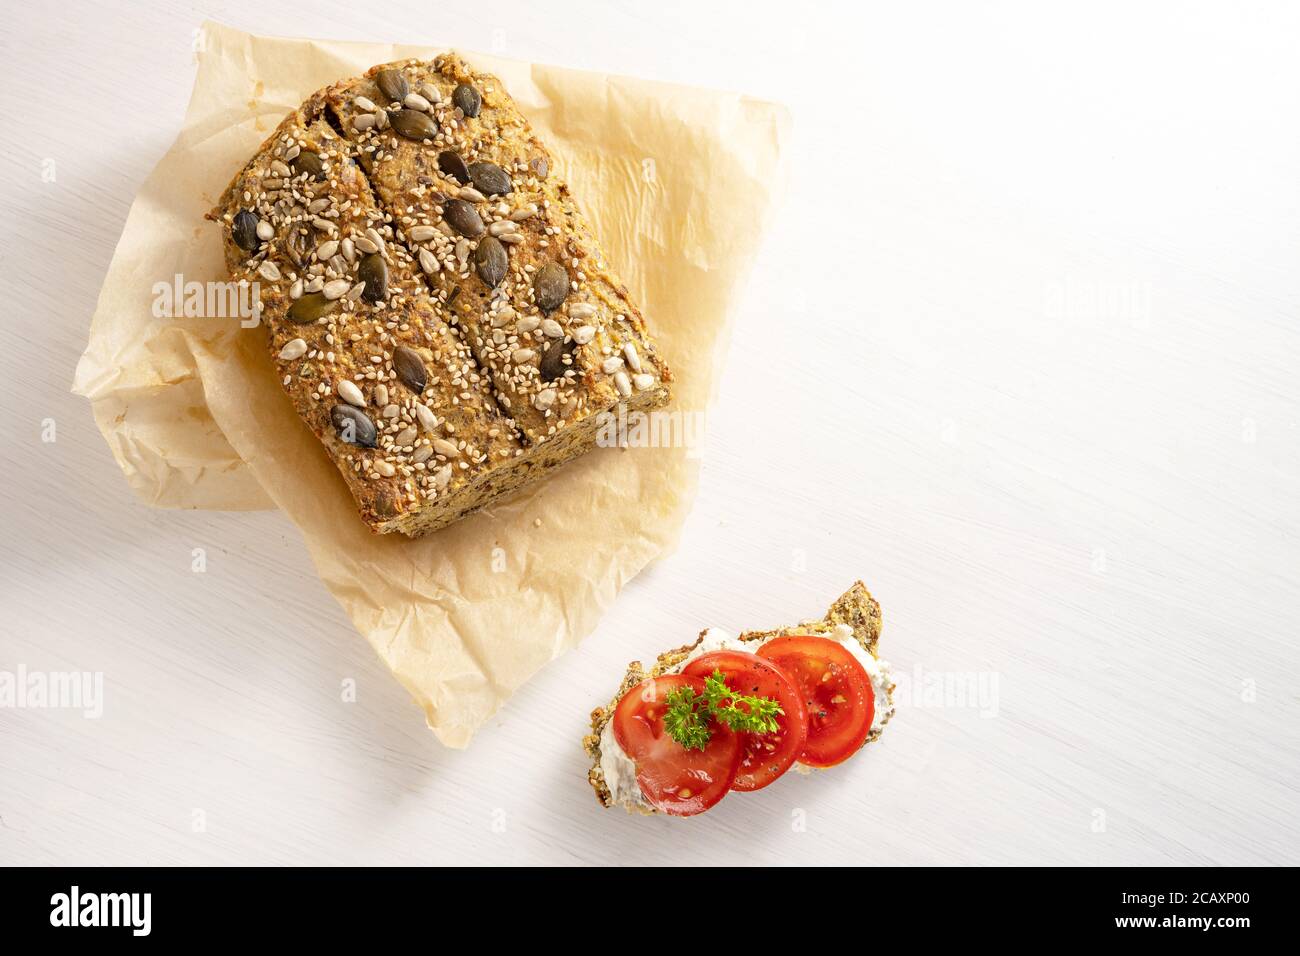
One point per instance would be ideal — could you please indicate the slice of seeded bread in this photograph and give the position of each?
(855, 608)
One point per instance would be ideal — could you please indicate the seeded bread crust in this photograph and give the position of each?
(339, 347)
(597, 338)
(855, 608)
(436, 383)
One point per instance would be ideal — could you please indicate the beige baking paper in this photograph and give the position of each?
(678, 183)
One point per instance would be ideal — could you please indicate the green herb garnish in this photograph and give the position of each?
(688, 714)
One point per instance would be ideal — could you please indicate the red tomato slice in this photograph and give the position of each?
(675, 780)
(764, 757)
(836, 690)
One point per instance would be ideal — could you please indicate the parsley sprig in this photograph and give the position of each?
(688, 714)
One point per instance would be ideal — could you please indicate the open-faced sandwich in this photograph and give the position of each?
(735, 713)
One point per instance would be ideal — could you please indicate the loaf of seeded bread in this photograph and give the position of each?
(439, 312)
(855, 609)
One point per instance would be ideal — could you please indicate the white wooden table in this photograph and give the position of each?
(1023, 353)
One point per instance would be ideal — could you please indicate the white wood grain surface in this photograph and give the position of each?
(1022, 354)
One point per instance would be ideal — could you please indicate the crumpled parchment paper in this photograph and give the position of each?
(678, 183)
